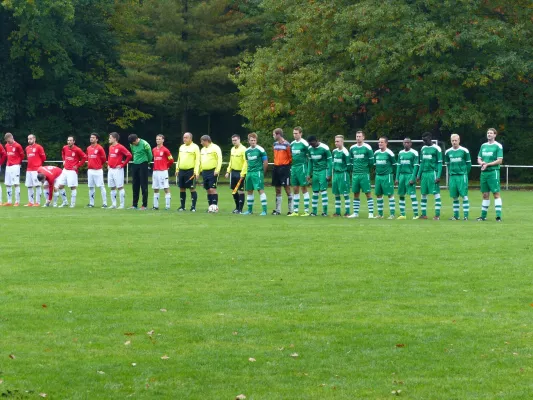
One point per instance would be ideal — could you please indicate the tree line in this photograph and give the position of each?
(220, 67)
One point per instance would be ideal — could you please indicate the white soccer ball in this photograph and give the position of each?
(213, 208)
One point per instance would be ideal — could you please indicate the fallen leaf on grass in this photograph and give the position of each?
(1, 381)
(129, 333)
(251, 359)
(281, 348)
(396, 392)
(165, 357)
(133, 364)
(400, 345)
(100, 372)
(163, 310)
(127, 342)
(44, 306)
(235, 333)
(12, 356)
(150, 333)
(294, 355)
(240, 397)
(42, 394)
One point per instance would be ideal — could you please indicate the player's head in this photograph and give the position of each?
(94, 138)
(383, 142)
(339, 141)
(71, 141)
(206, 140)
(455, 139)
(252, 139)
(41, 177)
(114, 137)
(236, 140)
(360, 137)
(313, 141)
(133, 139)
(160, 139)
(297, 133)
(277, 133)
(31, 139)
(407, 144)
(187, 138)
(426, 138)
(491, 134)
(8, 137)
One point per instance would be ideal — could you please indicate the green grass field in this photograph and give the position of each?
(109, 304)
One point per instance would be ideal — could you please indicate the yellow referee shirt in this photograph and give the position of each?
(211, 158)
(237, 160)
(189, 158)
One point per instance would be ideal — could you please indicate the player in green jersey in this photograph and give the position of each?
(459, 165)
(362, 159)
(429, 175)
(406, 171)
(319, 173)
(257, 162)
(490, 157)
(340, 182)
(300, 161)
(385, 163)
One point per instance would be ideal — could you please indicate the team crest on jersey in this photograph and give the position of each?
(160, 153)
(96, 152)
(73, 154)
(116, 151)
(33, 150)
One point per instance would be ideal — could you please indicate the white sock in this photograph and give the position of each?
(73, 194)
(91, 196)
(17, 194)
(56, 195)
(63, 194)
(31, 193)
(47, 193)
(122, 194)
(167, 200)
(306, 201)
(156, 200)
(278, 203)
(104, 195)
(38, 195)
(113, 197)
(9, 191)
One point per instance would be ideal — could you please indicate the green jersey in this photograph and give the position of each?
(254, 158)
(385, 162)
(489, 153)
(362, 158)
(142, 152)
(407, 163)
(341, 160)
(320, 159)
(430, 160)
(300, 152)
(458, 161)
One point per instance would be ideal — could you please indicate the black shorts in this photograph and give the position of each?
(184, 179)
(234, 179)
(281, 175)
(210, 180)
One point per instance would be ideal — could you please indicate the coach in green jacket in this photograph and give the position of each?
(142, 156)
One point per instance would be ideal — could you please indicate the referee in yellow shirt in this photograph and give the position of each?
(187, 170)
(236, 170)
(210, 165)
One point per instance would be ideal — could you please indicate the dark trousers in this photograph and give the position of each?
(140, 180)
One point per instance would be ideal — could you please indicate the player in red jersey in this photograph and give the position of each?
(95, 174)
(49, 177)
(15, 155)
(162, 162)
(3, 157)
(36, 157)
(73, 158)
(118, 158)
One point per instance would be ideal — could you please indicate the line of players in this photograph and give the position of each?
(300, 162)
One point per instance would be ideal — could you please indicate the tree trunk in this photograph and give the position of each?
(209, 124)
(184, 121)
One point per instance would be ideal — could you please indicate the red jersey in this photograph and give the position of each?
(96, 156)
(73, 158)
(119, 156)
(3, 154)
(51, 174)
(15, 154)
(36, 156)
(162, 158)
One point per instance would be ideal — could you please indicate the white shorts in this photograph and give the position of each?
(160, 180)
(95, 177)
(115, 178)
(68, 178)
(56, 183)
(12, 175)
(31, 179)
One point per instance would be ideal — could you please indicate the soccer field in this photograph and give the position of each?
(113, 304)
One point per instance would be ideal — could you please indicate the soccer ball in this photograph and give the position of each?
(213, 208)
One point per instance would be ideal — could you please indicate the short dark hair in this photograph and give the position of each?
(426, 134)
(206, 137)
(361, 132)
(235, 136)
(71, 136)
(384, 138)
(297, 128)
(162, 137)
(40, 177)
(115, 135)
(132, 138)
(96, 135)
(312, 139)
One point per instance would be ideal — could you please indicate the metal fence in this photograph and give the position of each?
(506, 169)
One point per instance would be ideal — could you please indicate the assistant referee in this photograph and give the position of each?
(210, 165)
(237, 169)
(187, 170)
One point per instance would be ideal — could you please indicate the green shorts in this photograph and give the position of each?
(384, 185)
(403, 185)
(490, 181)
(299, 175)
(319, 182)
(361, 183)
(255, 180)
(427, 183)
(458, 186)
(340, 183)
